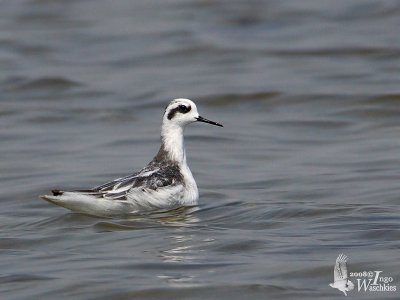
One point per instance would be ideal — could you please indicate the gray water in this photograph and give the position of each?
(306, 167)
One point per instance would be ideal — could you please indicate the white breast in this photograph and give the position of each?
(191, 193)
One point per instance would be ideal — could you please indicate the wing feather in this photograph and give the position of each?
(148, 179)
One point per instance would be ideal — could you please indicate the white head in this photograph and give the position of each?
(181, 112)
(178, 114)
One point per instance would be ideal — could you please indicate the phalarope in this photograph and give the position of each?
(165, 183)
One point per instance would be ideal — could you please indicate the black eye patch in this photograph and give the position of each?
(181, 108)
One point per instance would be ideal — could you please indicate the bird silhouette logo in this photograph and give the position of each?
(341, 281)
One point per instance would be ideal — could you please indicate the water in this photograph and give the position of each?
(306, 167)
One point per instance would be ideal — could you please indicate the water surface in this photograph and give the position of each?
(306, 167)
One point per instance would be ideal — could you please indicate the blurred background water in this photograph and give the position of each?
(306, 167)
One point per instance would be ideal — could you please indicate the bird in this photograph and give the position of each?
(341, 281)
(165, 183)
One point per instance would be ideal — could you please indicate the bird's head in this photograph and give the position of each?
(181, 112)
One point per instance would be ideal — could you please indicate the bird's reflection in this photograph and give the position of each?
(181, 257)
(179, 260)
(180, 217)
(180, 239)
(181, 247)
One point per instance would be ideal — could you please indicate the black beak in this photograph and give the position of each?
(201, 119)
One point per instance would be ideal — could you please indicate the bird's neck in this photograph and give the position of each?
(172, 144)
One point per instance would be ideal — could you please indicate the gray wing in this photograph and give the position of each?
(340, 269)
(148, 178)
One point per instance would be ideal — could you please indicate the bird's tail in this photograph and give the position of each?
(85, 202)
(56, 198)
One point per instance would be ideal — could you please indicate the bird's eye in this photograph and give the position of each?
(183, 108)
